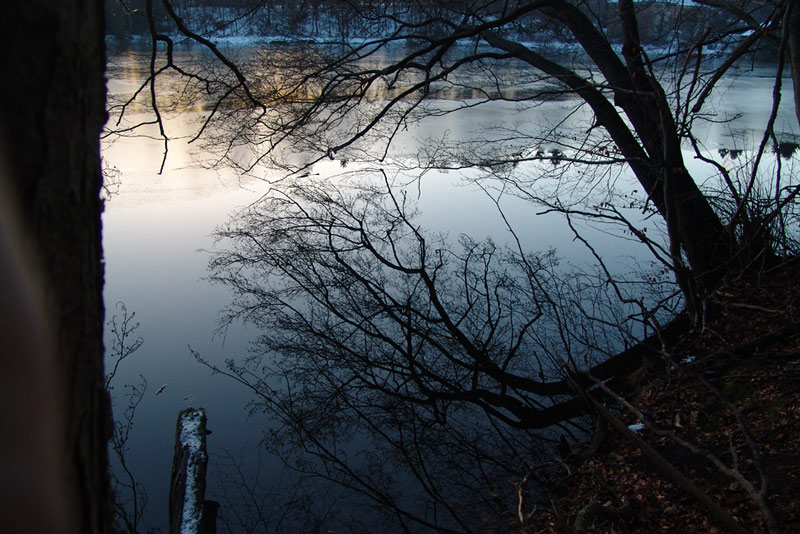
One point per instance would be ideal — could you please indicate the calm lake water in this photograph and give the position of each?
(158, 231)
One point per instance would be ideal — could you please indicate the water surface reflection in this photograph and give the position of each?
(158, 227)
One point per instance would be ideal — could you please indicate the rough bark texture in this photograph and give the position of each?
(51, 114)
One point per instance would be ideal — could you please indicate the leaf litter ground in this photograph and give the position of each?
(750, 355)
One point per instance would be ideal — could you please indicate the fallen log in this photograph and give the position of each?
(189, 512)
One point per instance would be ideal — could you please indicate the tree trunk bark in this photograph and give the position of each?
(655, 157)
(51, 113)
(692, 223)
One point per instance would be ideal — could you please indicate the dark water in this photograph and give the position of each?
(158, 229)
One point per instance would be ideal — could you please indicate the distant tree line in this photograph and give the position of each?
(331, 19)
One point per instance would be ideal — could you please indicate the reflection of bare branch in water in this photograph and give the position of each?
(130, 497)
(122, 346)
(419, 373)
(304, 99)
(457, 362)
(111, 180)
(253, 500)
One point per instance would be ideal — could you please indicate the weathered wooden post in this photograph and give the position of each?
(189, 512)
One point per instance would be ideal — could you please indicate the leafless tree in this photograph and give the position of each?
(350, 101)
(458, 361)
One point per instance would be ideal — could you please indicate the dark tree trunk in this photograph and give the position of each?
(51, 113)
(692, 224)
(654, 152)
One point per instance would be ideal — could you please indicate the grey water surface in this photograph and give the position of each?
(158, 229)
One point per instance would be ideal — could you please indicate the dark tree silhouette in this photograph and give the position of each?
(56, 421)
(349, 101)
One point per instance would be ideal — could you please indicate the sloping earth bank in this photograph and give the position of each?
(722, 407)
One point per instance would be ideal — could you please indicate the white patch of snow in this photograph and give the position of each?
(636, 427)
(192, 440)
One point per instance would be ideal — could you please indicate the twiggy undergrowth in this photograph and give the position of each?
(723, 407)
